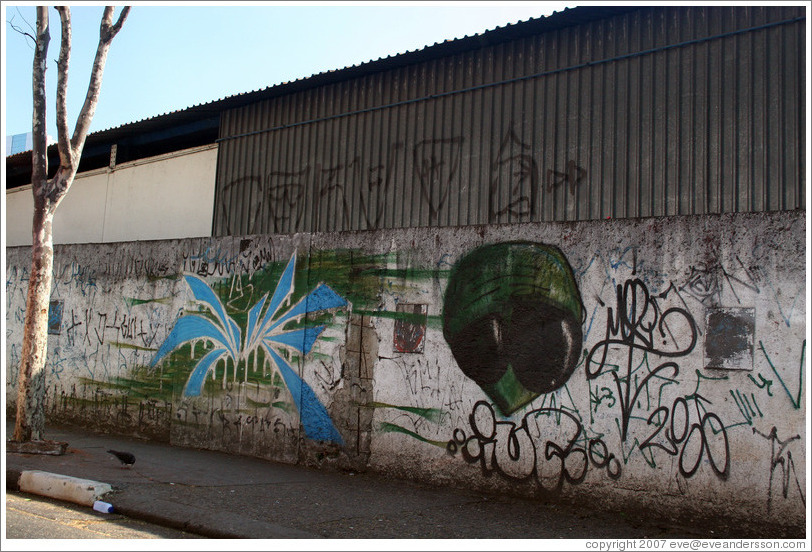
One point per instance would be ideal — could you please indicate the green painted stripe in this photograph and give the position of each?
(392, 428)
(132, 301)
(431, 414)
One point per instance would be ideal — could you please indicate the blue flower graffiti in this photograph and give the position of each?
(265, 331)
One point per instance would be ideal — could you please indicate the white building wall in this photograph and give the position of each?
(163, 197)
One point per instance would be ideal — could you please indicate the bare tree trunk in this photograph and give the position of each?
(30, 420)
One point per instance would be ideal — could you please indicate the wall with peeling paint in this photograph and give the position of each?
(654, 361)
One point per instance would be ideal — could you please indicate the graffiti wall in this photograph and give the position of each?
(656, 361)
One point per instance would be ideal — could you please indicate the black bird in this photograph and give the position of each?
(126, 458)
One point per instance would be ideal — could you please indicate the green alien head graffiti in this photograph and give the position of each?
(512, 316)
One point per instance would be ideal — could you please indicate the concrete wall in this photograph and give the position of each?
(168, 196)
(653, 362)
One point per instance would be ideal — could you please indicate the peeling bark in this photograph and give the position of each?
(48, 193)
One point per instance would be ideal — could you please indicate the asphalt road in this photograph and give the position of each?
(36, 517)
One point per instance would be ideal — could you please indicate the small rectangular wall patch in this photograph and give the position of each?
(55, 317)
(410, 328)
(729, 336)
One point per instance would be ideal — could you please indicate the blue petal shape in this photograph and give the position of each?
(284, 287)
(321, 298)
(253, 315)
(235, 334)
(195, 383)
(313, 415)
(301, 340)
(315, 420)
(186, 329)
(204, 293)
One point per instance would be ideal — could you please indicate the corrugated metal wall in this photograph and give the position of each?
(662, 111)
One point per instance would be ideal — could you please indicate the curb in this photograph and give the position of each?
(62, 487)
(218, 525)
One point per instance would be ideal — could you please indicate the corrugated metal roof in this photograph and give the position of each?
(624, 117)
(557, 20)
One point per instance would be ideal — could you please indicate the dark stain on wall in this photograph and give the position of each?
(729, 338)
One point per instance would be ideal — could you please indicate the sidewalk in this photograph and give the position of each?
(226, 496)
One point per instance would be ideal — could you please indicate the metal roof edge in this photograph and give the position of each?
(513, 31)
(558, 20)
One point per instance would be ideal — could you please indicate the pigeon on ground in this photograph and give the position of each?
(126, 458)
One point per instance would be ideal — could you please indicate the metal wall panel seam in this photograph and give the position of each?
(498, 193)
(295, 193)
(517, 79)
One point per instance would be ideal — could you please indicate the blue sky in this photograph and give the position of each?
(169, 57)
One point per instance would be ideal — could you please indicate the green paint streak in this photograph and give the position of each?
(699, 378)
(350, 273)
(796, 401)
(634, 445)
(131, 346)
(508, 393)
(407, 273)
(386, 427)
(132, 301)
(361, 278)
(156, 388)
(735, 425)
(431, 414)
(282, 405)
(153, 278)
(574, 408)
(251, 402)
(175, 370)
(432, 321)
(650, 458)
(766, 384)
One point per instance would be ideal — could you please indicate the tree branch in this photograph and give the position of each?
(65, 152)
(113, 31)
(39, 153)
(106, 34)
(22, 32)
